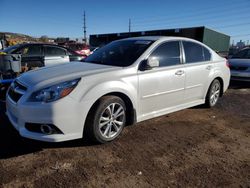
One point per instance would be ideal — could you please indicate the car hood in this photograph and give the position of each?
(63, 72)
(240, 62)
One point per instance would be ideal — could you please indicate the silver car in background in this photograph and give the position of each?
(240, 65)
(124, 82)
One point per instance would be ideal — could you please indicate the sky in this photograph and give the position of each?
(64, 18)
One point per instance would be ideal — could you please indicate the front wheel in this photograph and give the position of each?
(213, 93)
(106, 120)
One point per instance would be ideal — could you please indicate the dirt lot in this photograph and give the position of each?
(196, 147)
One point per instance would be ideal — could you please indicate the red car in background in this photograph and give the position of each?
(80, 49)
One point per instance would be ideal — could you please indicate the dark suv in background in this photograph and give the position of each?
(39, 54)
(31, 55)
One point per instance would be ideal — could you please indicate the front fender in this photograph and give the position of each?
(92, 94)
(109, 87)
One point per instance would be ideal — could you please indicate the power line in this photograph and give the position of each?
(195, 23)
(243, 35)
(233, 25)
(198, 17)
(201, 23)
(194, 12)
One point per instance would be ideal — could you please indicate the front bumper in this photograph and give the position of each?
(240, 76)
(66, 114)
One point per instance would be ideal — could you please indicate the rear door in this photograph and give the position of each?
(198, 67)
(54, 55)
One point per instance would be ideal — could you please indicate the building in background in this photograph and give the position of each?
(217, 41)
(240, 44)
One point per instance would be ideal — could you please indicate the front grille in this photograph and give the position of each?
(20, 86)
(240, 78)
(16, 91)
(13, 95)
(238, 68)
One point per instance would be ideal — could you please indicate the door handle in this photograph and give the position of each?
(179, 72)
(209, 67)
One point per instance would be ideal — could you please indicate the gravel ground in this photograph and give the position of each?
(197, 147)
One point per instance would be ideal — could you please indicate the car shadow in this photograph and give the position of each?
(239, 85)
(13, 145)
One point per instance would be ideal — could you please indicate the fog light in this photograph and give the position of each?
(46, 129)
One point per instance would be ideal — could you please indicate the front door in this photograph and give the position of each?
(162, 89)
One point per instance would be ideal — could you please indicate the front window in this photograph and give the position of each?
(32, 50)
(168, 54)
(10, 49)
(119, 53)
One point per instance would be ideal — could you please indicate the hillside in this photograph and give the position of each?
(17, 36)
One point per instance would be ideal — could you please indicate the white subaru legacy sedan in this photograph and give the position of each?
(124, 82)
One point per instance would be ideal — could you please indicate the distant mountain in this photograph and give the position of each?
(17, 36)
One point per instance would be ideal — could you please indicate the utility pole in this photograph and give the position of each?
(129, 25)
(84, 28)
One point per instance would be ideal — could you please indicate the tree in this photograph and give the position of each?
(44, 38)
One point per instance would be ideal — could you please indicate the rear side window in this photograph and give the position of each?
(195, 53)
(168, 54)
(207, 54)
(54, 51)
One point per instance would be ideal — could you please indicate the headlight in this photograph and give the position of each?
(54, 92)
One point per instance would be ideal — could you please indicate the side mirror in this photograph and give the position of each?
(153, 62)
(149, 63)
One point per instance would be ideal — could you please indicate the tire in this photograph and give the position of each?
(106, 120)
(213, 94)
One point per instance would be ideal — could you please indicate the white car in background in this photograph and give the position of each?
(124, 82)
(240, 65)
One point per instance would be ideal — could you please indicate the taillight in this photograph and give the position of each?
(227, 64)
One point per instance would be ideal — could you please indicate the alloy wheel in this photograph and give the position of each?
(112, 120)
(215, 93)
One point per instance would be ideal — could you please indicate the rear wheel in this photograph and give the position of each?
(106, 120)
(213, 93)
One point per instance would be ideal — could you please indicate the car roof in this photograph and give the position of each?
(36, 43)
(40, 43)
(245, 48)
(166, 38)
(155, 38)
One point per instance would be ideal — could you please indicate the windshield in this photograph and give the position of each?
(10, 49)
(119, 53)
(243, 54)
